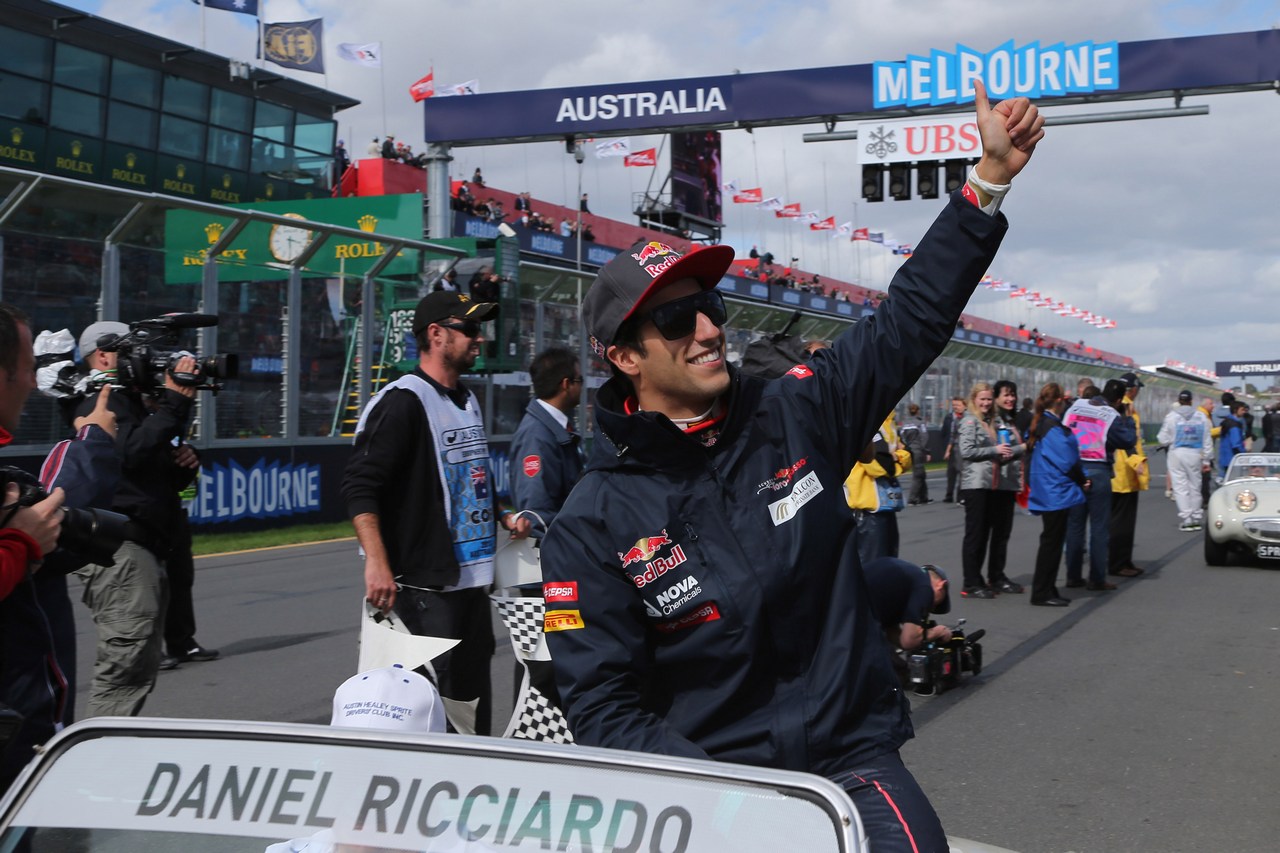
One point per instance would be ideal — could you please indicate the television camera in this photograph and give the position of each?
(936, 666)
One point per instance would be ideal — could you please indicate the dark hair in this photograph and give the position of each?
(422, 339)
(1050, 396)
(996, 390)
(628, 335)
(1228, 398)
(1091, 391)
(11, 317)
(549, 368)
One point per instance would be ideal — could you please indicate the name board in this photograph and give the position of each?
(399, 795)
(1247, 368)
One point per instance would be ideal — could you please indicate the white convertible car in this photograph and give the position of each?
(138, 785)
(1244, 513)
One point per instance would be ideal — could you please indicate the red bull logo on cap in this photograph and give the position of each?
(653, 249)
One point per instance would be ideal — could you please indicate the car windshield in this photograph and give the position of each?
(1255, 466)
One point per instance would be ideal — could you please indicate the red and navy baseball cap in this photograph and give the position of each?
(631, 277)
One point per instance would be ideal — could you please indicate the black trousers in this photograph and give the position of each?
(180, 616)
(462, 673)
(919, 483)
(1044, 585)
(953, 473)
(988, 519)
(1124, 520)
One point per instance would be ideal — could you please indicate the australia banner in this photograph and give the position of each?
(294, 44)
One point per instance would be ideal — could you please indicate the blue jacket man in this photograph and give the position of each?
(546, 452)
(702, 597)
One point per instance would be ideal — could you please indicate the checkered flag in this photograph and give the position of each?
(523, 618)
(536, 718)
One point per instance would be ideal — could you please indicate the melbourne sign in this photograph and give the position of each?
(947, 77)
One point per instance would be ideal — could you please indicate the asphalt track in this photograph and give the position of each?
(1136, 720)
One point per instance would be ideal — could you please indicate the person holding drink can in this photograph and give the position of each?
(992, 452)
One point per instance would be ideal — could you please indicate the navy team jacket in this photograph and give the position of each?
(708, 602)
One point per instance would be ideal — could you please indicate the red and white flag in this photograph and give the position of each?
(471, 87)
(788, 211)
(751, 196)
(424, 88)
(647, 157)
(613, 148)
(861, 234)
(844, 229)
(827, 224)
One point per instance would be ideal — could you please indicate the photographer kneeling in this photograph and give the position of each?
(128, 597)
(903, 595)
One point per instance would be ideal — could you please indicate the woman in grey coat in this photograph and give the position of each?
(992, 452)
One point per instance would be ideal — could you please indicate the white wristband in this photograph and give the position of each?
(997, 192)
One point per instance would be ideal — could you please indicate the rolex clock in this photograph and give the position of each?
(287, 241)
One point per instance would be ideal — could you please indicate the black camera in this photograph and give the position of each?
(937, 666)
(90, 534)
(143, 362)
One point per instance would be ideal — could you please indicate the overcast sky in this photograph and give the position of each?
(1168, 227)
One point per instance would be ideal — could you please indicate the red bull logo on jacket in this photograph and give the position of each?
(644, 549)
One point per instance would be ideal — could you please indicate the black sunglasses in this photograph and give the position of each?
(679, 317)
(470, 328)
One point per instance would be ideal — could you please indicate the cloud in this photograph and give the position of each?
(1166, 226)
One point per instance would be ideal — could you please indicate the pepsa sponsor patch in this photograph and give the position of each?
(800, 372)
(562, 620)
(706, 613)
(559, 592)
(532, 465)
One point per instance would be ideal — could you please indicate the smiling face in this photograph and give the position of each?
(680, 378)
(982, 401)
(1008, 399)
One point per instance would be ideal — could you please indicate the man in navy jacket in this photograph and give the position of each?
(702, 599)
(546, 453)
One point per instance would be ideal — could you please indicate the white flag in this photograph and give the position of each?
(368, 55)
(471, 87)
(807, 217)
(844, 229)
(613, 148)
(771, 203)
(730, 187)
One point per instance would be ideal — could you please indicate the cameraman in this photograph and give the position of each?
(37, 626)
(129, 597)
(902, 596)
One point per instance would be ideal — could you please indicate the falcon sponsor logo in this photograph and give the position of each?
(562, 620)
(806, 489)
(560, 592)
(532, 465)
(706, 613)
(800, 372)
(782, 477)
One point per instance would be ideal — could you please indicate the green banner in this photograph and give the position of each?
(22, 145)
(178, 176)
(261, 249)
(129, 167)
(74, 156)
